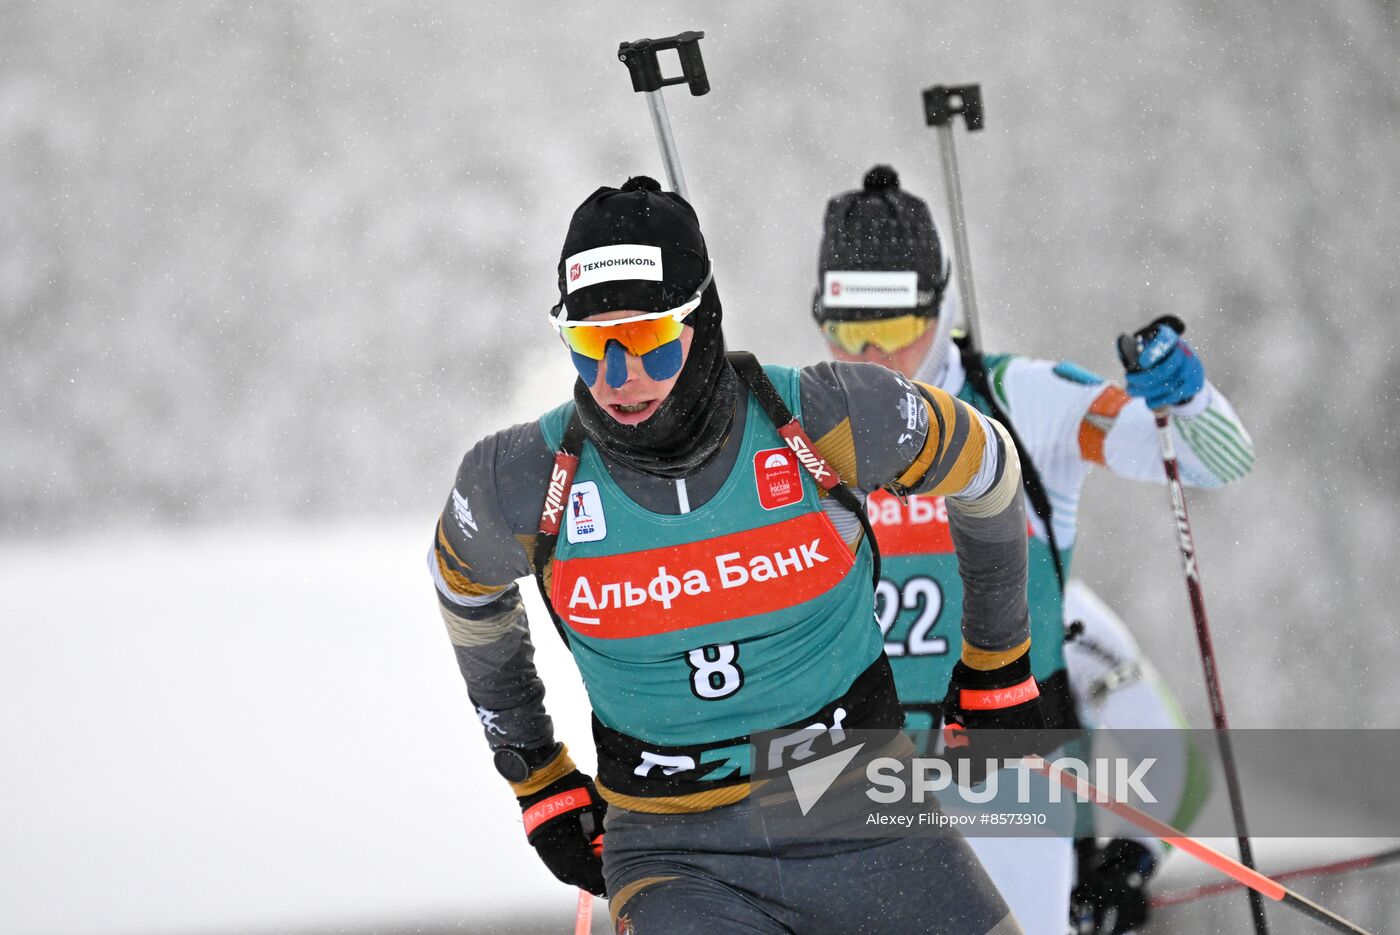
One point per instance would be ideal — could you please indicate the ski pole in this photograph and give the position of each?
(1257, 883)
(640, 59)
(942, 105)
(1336, 867)
(1130, 347)
(583, 915)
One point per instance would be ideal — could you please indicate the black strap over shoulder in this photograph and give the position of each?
(976, 369)
(751, 372)
(756, 381)
(565, 460)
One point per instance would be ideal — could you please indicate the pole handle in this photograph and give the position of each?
(640, 58)
(1130, 346)
(944, 103)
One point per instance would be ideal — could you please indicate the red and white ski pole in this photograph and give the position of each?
(1350, 865)
(1259, 885)
(583, 915)
(1129, 348)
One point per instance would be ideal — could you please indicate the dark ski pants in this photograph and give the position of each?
(718, 871)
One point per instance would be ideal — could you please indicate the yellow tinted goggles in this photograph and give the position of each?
(888, 334)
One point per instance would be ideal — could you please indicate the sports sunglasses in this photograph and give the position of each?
(888, 334)
(639, 334)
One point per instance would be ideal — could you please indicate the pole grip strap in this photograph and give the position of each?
(548, 809)
(994, 699)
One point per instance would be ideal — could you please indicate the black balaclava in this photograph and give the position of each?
(689, 426)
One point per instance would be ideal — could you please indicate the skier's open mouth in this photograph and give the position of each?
(632, 413)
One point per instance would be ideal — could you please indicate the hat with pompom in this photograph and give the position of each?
(881, 255)
(635, 247)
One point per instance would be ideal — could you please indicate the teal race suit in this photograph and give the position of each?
(701, 610)
(689, 629)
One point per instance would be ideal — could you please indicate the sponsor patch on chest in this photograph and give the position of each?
(586, 522)
(755, 571)
(778, 476)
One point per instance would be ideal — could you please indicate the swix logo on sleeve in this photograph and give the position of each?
(778, 477)
(619, 261)
(678, 587)
(585, 513)
(871, 289)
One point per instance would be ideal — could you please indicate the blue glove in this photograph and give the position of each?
(1162, 367)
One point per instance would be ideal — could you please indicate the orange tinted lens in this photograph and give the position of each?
(639, 337)
(589, 342)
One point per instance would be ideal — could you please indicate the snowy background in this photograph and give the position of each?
(266, 271)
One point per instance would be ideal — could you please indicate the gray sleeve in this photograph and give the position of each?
(479, 549)
(969, 459)
(989, 536)
(888, 420)
(499, 668)
(494, 503)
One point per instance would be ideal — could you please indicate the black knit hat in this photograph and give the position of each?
(634, 247)
(881, 255)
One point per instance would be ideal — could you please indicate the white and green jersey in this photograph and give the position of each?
(1067, 420)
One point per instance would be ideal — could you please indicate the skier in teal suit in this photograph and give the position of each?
(696, 527)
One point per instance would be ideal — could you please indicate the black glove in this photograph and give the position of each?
(564, 823)
(1006, 697)
(1111, 896)
(981, 703)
